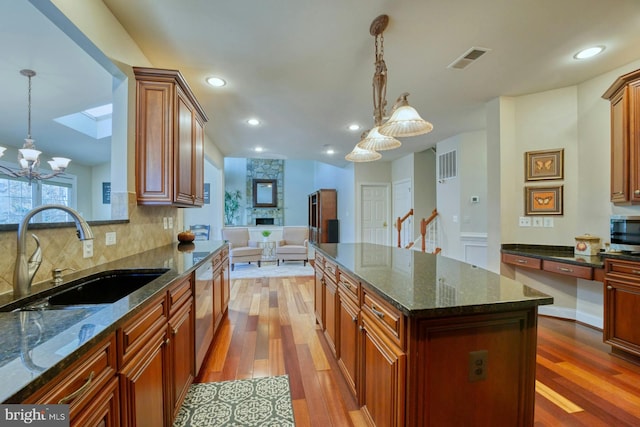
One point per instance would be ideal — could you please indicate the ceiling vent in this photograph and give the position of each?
(468, 58)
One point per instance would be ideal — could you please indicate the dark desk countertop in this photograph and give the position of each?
(426, 285)
(35, 346)
(553, 253)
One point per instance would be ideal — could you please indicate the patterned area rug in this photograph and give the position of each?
(252, 402)
(270, 269)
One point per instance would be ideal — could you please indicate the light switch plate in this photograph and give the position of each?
(537, 221)
(110, 238)
(525, 221)
(170, 222)
(548, 222)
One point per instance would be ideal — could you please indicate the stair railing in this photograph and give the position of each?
(430, 233)
(399, 223)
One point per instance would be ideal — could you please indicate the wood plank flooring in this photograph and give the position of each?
(270, 330)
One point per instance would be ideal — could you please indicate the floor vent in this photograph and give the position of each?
(468, 58)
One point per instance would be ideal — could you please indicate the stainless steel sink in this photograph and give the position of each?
(103, 288)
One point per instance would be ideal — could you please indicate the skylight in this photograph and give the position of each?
(95, 122)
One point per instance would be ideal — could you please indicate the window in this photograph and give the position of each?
(17, 198)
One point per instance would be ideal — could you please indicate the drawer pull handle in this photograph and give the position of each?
(565, 269)
(79, 391)
(522, 261)
(355, 319)
(376, 312)
(609, 287)
(635, 271)
(174, 331)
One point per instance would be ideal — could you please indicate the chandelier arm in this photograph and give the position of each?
(10, 172)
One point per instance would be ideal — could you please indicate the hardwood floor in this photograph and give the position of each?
(270, 330)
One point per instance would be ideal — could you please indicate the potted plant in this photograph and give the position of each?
(231, 206)
(266, 234)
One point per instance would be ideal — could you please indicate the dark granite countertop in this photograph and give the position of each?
(426, 285)
(35, 346)
(553, 253)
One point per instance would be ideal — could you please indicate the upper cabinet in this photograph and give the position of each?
(624, 95)
(169, 140)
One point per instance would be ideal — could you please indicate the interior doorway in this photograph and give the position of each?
(375, 214)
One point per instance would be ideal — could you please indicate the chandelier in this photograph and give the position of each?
(28, 156)
(404, 121)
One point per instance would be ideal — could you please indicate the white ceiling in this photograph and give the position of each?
(304, 67)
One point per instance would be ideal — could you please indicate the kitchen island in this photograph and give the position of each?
(424, 340)
(99, 357)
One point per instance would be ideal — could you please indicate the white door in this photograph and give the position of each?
(375, 214)
(402, 205)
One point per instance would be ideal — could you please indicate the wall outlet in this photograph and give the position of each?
(478, 365)
(87, 248)
(537, 221)
(170, 222)
(110, 238)
(548, 222)
(165, 223)
(525, 221)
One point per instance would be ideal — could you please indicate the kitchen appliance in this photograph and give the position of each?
(625, 233)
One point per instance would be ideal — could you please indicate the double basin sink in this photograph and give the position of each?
(103, 288)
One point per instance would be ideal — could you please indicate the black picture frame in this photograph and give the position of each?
(265, 193)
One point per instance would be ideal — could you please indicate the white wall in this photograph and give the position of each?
(209, 214)
(298, 184)
(235, 178)
(99, 174)
(424, 186)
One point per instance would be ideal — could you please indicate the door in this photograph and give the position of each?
(375, 214)
(401, 205)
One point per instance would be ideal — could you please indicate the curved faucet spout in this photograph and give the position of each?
(24, 270)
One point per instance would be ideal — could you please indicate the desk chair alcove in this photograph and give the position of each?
(241, 249)
(294, 245)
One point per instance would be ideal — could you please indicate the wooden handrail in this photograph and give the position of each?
(399, 222)
(423, 228)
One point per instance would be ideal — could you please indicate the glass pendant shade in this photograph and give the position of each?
(2, 151)
(361, 155)
(61, 162)
(405, 121)
(375, 141)
(29, 154)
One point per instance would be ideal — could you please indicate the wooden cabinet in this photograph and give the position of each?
(89, 386)
(169, 140)
(181, 342)
(143, 357)
(349, 338)
(323, 206)
(624, 95)
(318, 296)
(331, 313)
(621, 302)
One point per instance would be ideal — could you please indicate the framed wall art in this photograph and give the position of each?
(544, 165)
(543, 200)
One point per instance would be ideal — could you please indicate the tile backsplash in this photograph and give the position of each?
(62, 249)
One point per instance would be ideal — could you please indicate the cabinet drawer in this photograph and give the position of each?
(350, 285)
(580, 271)
(319, 260)
(628, 269)
(179, 294)
(522, 261)
(137, 331)
(331, 270)
(78, 385)
(388, 318)
(217, 260)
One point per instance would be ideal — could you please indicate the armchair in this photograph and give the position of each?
(241, 249)
(294, 245)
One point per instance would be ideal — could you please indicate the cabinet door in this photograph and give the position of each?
(183, 151)
(383, 378)
(204, 320)
(154, 142)
(143, 386)
(348, 360)
(634, 140)
(331, 320)
(198, 161)
(226, 285)
(181, 327)
(621, 315)
(318, 297)
(218, 276)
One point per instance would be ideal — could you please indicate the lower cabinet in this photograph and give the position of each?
(621, 302)
(348, 342)
(331, 320)
(89, 386)
(318, 296)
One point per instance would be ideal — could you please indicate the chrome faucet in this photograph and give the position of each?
(24, 270)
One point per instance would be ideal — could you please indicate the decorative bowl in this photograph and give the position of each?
(186, 236)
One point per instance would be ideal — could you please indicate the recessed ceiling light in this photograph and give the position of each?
(589, 52)
(216, 81)
(330, 151)
(258, 149)
(253, 122)
(354, 127)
